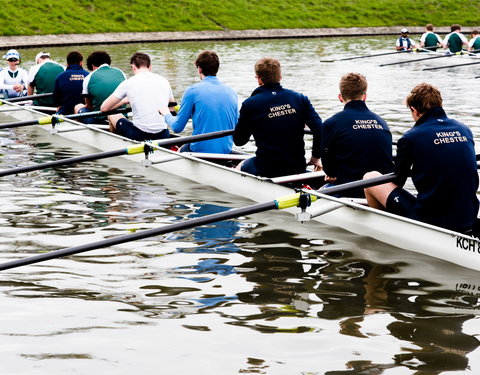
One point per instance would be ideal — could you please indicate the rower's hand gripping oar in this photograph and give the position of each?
(131, 150)
(281, 203)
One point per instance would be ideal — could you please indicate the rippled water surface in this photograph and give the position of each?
(262, 294)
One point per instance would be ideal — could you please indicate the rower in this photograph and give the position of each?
(146, 92)
(212, 106)
(430, 40)
(474, 43)
(355, 140)
(455, 41)
(68, 84)
(439, 155)
(404, 43)
(42, 77)
(276, 117)
(99, 84)
(13, 79)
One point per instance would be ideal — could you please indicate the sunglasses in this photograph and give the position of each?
(12, 59)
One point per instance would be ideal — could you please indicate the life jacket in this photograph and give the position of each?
(409, 42)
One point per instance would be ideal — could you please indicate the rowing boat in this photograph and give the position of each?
(340, 212)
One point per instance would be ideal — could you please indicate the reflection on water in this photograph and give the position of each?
(256, 295)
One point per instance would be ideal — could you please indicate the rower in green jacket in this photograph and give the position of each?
(474, 44)
(42, 76)
(99, 84)
(455, 41)
(430, 40)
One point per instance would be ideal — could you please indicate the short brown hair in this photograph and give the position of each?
(353, 86)
(140, 60)
(268, 70)
(455, 27)
(429, 27)
(209, 62)
(424, 97)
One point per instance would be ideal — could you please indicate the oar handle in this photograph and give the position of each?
(95, 113)
(357, 185)
(23, 98)
(193, 138)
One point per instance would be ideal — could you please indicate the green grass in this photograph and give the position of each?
(26, 17)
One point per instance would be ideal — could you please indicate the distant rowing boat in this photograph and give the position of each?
(341, 212)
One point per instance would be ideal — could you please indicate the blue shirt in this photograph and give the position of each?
(68, 89)
(276, 117)
(354, 142)
(439, 154)
(212, 106)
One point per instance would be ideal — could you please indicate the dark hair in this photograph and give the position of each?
(209, 62)
(429, 27)
(98, 58)
(424, 97)
(74, 58)
(268, 70)
(455, 27)
(140, 60)
(353, 86)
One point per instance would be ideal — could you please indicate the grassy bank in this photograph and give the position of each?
(24, 17)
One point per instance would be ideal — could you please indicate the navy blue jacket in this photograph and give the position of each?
(439, 154)
(276, 118)
(68, 89)
(354, 142)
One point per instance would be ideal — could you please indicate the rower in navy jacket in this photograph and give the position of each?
(439, 154)
(355, 140)
(276, 118)
(67, 92)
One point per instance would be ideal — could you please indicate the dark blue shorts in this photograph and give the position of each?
(401, 202)
(91, 120)
(249, 166)
(185, 148)
(126, 128)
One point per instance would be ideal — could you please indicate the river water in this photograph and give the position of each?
(257, 295)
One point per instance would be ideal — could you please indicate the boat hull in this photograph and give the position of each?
(340, 212)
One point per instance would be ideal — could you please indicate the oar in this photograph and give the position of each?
(425, 58)
(365, 56)
(23, 98)
(451, 66)
(280, 203)
(60, 118)
(131, 150)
